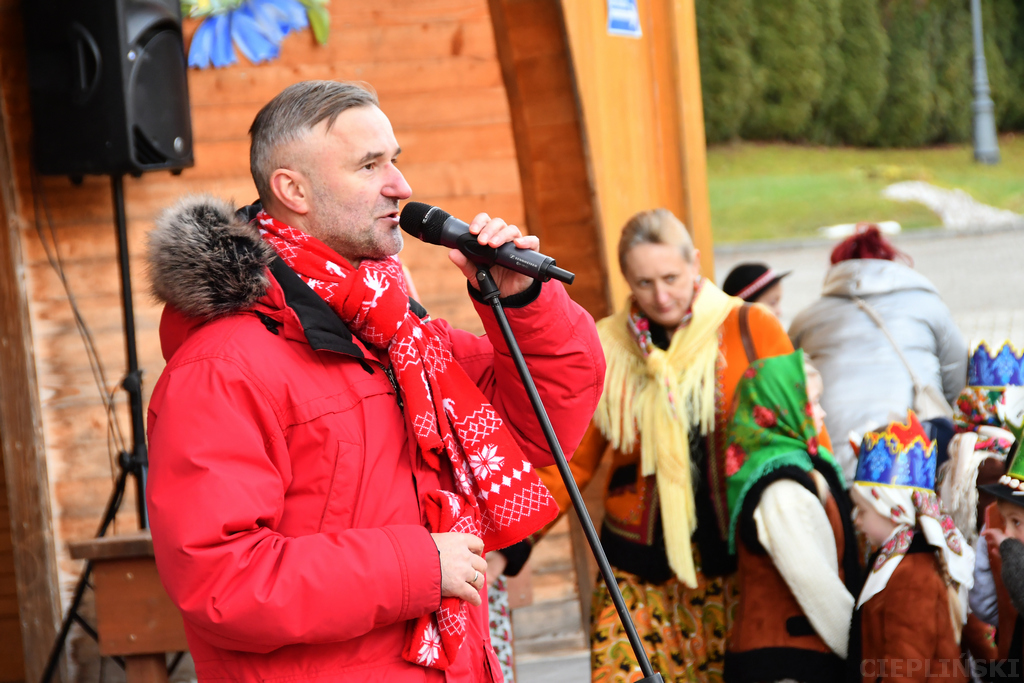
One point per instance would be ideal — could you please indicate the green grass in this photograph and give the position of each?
(765, 191)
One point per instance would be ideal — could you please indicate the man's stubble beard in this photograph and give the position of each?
(356, 240)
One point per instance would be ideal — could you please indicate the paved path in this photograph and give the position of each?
(980, 276)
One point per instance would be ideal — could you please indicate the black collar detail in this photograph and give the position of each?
(323, 328)
(248, 213)
(919, 544)
(417, 308)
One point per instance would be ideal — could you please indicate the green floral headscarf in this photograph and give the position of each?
(772, 428)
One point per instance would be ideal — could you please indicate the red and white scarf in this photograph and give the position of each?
(498, 496)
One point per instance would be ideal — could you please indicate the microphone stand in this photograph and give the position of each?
(490, 293)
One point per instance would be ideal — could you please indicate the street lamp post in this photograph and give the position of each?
(986, 144)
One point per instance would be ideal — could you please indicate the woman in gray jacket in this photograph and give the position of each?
(865, 379)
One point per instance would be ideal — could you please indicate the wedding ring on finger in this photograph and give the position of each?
(476, 575)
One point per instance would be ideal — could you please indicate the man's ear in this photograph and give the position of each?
(696, 261)
(291, 188)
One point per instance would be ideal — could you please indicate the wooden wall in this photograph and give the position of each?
(12, 660)
(435, 67)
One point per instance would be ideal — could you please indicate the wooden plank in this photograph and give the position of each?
(629, 94)
(667, 152)
(371, 12)
(31, 531)
(85, 527)
(254, 89)
(534, 28)
(448, 178)
(9, 606)
(134, 614)
(12, 657)
(386, 42)
(86, 459)
(691, 123)
(557, 191)
(83, 497)
(83, 216)
(446, 108)
(120, 546)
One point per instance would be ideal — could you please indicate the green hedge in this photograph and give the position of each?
(789, 68)
(865, 50)
(905, 115)
(725, 65)
(952, 54)
(832, 31)
(860, 72)
(1004, 45)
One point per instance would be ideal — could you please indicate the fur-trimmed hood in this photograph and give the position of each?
(206, 260)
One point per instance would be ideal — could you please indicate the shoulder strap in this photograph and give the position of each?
(748, 340)
(873, 314)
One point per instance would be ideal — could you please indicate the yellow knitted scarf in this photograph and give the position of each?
(661, 397)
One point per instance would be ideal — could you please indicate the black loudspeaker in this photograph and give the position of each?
(108, 86)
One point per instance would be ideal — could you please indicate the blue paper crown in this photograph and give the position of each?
(899, 455)
(1003, 368)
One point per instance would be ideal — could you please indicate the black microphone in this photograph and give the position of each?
(434, 226)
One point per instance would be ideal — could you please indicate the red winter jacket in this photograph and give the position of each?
(284, 486)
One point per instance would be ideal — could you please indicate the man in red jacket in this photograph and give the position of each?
(328, 464)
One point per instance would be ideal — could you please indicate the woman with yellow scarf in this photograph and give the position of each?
(675, 354)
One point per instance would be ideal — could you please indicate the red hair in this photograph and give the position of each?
(868, 242)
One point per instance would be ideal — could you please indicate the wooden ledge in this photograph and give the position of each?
(139, 544)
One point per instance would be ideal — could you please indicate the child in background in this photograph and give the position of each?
(913, 605)
(790, 527)
(756, 283)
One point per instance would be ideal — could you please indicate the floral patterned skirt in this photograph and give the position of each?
(501, 626)
(684, 630)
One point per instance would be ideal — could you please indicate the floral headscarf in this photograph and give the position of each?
(772, 428)
(914, 510)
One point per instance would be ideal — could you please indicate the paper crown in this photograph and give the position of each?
(898, 455)
(1001, 367)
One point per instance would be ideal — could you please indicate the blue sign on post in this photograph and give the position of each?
(624, 19)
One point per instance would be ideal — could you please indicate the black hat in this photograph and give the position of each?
(1004, 492)
(750, 280)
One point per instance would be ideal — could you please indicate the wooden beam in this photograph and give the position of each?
(691, 123)
(21, 435)
(643, 122)
(554, 171)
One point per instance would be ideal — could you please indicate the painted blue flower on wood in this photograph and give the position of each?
(256, 27)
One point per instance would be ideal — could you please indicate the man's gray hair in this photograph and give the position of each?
(292, 114)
